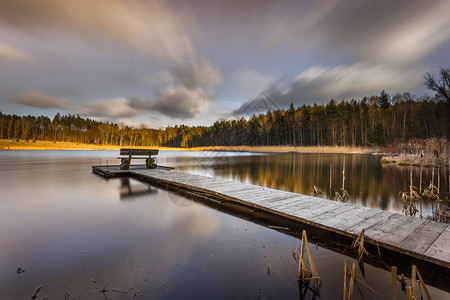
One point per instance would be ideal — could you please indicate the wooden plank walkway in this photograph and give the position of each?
(423, 239)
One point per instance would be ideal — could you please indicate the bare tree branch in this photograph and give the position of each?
(440, 86)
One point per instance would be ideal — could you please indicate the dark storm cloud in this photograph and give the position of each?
(40, 100)
(182, 93)
(181, 102)
(188, 90)
(193, 75)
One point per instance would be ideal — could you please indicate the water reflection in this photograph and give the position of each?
(368, 182)
(70, 232)
(128, 191)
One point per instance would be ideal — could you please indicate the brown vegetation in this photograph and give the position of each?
(46, 145)
(416, 152)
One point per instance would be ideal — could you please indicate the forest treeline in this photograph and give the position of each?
(375, 120)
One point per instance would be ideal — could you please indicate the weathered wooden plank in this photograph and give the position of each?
(319, 209)
(133, 151)
(258, 197)
(185, 178)
(395, 230)
(300, 209)
(213, 182)
(200, 184)
(369, 222)
(284, 204)
(333, 214)
(266, 202)
(420, 240)
(440, 249)
(168, 177)
(239, 190)
(342, 218)
(247, 195)
(222, 186)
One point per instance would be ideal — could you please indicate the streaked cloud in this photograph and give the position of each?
(110, 109)
(181, 102)
(211, 56)
(320, 84)
(146, 26)
(183, 91)
(249, 82)
(195, 74)
(10, 54)
(40, 100)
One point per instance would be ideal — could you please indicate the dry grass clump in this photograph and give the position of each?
(430, 152)
(290, 149)
(47, 145)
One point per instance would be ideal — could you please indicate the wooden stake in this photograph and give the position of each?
(420, 184)
(439, 180)
(411, 183)
(423, 284)
(352, 279)
(300, 260)
(331, 171)
(345, 279)
(408, 293)
(343, 174)
(394, 282)
(413, 280)
(359, 242)
(313, 267)
(303, 274)
(432, 180)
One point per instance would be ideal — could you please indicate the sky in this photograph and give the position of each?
(166, 62)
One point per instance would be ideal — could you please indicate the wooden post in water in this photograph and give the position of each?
(408, 293)
(410, 183)
(343, 175)
(331, 171)
(352, 279)
(303, 274)
(413, 281)
(349, 293)
(420, 183)
(423, 284)
(301, 264)
(439, 180)
(345, 279)
(432, 180)
(394, 282)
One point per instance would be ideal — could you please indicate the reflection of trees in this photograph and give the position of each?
(367, 181)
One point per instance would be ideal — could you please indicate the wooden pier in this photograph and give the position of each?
(418, 238)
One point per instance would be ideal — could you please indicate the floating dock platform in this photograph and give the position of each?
(424, 240)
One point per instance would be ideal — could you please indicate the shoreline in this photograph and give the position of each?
(47, 145)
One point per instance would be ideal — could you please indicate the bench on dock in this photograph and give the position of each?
(128, 154)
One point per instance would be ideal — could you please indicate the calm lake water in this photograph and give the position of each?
(76, 233)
